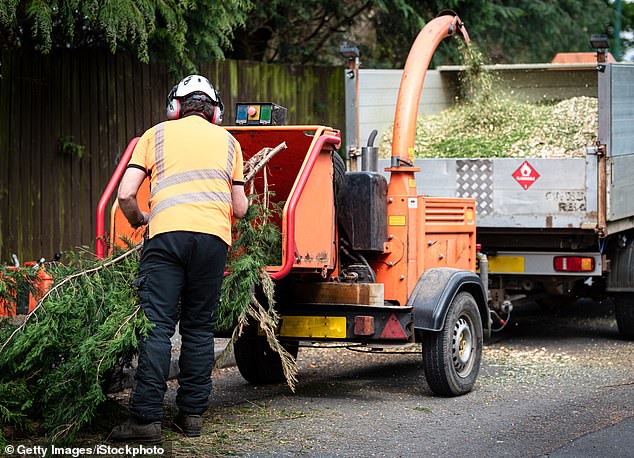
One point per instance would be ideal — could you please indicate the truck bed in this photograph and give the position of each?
(561, 194)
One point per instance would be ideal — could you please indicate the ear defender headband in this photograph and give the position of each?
(201, 89)
(219, 110)
(173, 108)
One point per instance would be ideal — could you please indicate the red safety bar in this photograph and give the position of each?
(289, 260)
(101, 247)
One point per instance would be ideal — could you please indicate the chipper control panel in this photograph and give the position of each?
(260, 114)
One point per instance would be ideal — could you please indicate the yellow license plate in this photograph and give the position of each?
(313, 326)
(504, 264)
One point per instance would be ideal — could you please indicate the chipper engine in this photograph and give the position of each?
(364, 261)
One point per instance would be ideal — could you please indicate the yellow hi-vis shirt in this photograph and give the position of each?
(192, 165)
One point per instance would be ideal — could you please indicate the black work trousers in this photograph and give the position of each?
(180, 275)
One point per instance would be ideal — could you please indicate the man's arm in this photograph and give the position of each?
(129, 186)
(239, 200)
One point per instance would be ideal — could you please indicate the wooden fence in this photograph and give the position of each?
(66, 118)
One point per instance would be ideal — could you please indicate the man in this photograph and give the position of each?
(196, 177)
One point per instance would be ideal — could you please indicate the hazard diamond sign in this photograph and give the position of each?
(526, 175)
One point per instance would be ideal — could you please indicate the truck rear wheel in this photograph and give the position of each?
(452, 356)
(258, 363)
(624, 310)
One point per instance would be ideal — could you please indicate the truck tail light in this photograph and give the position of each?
(573, 264)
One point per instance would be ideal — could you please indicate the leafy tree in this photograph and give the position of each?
(180, 31)
(510, 31)
(309, 31)
(627, 24)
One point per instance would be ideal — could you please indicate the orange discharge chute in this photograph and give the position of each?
(413, 78)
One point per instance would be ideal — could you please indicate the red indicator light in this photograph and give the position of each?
(573, 264)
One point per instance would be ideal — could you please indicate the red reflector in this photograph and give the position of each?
(393, 329)
(363, 325)
(573, 264)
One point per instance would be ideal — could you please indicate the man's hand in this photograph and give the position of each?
(142, 222)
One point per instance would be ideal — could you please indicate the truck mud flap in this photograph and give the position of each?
(620, 278)
(434, 292)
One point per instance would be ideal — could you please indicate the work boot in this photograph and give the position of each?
(188, 425)
(134, 431)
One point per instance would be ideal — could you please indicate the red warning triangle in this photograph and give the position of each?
(393, 329)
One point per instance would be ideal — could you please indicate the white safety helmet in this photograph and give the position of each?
(190, 85)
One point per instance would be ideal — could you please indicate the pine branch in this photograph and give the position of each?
(120, 258)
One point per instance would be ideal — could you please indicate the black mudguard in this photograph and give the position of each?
(620, 276)
(435, 291)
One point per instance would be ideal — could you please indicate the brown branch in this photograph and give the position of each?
(343, 20)
(260, 159)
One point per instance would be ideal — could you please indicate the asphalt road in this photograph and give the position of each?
(559, 385)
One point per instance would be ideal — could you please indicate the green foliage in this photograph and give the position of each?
(627, 25)
(510, 31)
(180, 32)
(259, 244)
(54, 369)
(86, 328)
(68, 147)
(15, 403)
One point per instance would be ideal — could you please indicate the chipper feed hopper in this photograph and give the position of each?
(363, 261)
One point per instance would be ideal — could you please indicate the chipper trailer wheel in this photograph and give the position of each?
(258, 363)
(451, 356)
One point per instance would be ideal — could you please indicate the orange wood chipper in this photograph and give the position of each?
(364, 261)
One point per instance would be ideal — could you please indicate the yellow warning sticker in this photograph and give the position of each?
(412, 183)
(396, 220)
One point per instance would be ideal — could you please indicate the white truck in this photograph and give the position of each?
(553, 230)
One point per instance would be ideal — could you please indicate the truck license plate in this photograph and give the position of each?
(504, 264)
(313, 326)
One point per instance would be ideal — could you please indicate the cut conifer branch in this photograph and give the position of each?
(56, 365)
(56, 287)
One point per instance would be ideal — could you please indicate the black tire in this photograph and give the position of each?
(339, 171)
(624, 310)
(258, 363)
(452, 356)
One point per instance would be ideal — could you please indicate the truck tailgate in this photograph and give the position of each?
(517, 193)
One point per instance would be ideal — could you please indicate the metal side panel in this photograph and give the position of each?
(620, 188)
(616, 108)
(517, 193)
(616, 118)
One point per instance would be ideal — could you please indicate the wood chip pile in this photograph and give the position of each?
(498, 127)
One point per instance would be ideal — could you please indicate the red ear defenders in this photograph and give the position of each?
(173, 108)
